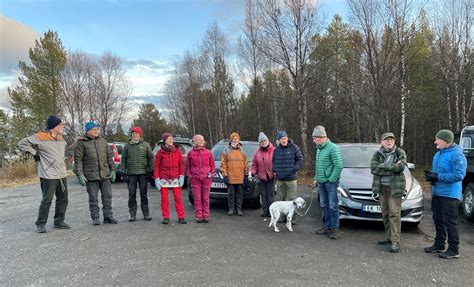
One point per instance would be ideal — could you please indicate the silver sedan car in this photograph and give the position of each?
(356, 200)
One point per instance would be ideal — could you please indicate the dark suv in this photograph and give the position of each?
(219, 188)
(185, 146)
(465, 139)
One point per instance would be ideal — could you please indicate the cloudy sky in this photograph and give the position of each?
(150, 35)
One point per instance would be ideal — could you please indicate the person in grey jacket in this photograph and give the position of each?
(95, 169)
(48, 149)
(137, 161)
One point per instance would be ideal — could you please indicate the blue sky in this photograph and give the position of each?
(149, 35)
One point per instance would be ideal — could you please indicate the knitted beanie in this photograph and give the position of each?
(234, 134)
(281, 134)
(445, 135)
(262, 137)
(319, 131)
(52, 122)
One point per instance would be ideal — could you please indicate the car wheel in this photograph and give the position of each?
(190, 195)
(468, 202)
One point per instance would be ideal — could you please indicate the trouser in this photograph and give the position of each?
(391, 208)
(266, 194)
(445, 216)
(49, 188)
(287, 189)
(236, 196)
(133, 181)
(201, 191)
(178, 202)
(329, 204)
(105, 188)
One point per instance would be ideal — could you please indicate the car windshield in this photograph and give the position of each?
(358, 156)
(249, 150)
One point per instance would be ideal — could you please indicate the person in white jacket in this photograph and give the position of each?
(48, 149)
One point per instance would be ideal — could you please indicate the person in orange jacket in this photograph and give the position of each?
(235, 169)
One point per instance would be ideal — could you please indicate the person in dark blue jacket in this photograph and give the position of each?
(287, 160)
(446, 175)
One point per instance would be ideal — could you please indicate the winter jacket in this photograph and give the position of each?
(200, 163)
(394, 169)
(169, 164)
(328, 163)
(137, 158)
(234, 164)
(93, 158)
(262, 163)
(51, 153)
(286, 161)
(450, 164)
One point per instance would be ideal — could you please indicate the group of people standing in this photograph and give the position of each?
(271, 166)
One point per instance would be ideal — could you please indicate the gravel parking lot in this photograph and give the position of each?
(228, 251)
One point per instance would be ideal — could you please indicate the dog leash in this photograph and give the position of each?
(313, 191)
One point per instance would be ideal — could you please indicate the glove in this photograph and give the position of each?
(181, 181)
(431, 176)
(209, 175)
(112, 175)
(226, 180)
(82, 180)
(246, 180)
(36, 157)
(158, 184)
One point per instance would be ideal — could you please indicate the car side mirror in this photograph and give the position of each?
(411, 166)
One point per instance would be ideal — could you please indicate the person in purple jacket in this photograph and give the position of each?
(200, 168)
(262, 172)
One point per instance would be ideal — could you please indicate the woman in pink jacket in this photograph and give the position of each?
(200, 168)
(262, 172)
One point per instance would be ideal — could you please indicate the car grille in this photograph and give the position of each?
(363, 195)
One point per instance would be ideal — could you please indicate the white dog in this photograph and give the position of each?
(286, 208)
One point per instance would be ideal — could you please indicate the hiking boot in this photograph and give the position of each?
(62, 225)
(41, 228)
(205, 220)
(198, 220)
(323, 231)
(110, 220)
(182, 221)
(132, 218)
(333, 233)
(231, 212)
(395, 248)
(165, 221)
(147, 217)
(239, 212)
(449, 254)
(95, 221)
(384, 242)
(434, 249)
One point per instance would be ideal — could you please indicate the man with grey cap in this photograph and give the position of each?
(328, 171)
(48, 148)
(388, 183)
(446, 175)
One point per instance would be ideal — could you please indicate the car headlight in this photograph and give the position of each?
(415, 191)
(341, 192)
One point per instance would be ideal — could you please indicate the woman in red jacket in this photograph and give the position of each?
(169, 174)
(200, 168)
(262, 171)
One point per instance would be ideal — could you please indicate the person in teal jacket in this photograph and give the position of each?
(446, 175)
(328, 172)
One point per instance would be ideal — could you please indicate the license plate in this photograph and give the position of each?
(218, 185)
(372, 208)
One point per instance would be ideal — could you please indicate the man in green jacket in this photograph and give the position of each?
(328, 172)
(137, 161)
(387, 167)
(95, 169)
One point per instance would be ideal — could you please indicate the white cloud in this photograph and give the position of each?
(148, 76)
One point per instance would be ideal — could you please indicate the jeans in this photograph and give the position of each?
(329, 204)
(49, 188)
(133, 181)
(445, 217)
(105, 188)
(236, 196)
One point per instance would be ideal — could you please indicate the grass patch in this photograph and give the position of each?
(18, 172)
